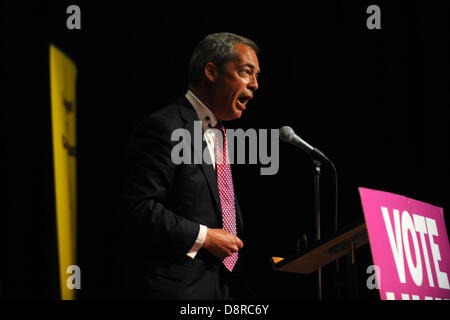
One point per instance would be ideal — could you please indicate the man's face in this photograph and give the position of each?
(235, 84)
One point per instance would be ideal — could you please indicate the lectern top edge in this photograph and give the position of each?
(325, 251)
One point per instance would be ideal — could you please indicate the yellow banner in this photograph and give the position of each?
(63, 75)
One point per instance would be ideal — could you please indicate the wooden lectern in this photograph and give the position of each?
(322, 252)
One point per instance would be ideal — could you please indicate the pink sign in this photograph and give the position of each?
(409, 245)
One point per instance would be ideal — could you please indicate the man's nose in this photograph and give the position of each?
(253, 83)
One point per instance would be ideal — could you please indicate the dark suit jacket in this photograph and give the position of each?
(164, 204)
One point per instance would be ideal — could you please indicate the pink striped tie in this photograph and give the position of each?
(226, 192)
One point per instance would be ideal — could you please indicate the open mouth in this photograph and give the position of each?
(242, 102)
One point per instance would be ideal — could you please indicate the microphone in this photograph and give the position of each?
(288, 135)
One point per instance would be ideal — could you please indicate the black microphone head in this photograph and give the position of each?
(286, 133)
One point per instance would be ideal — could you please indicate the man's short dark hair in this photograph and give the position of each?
(217, 48)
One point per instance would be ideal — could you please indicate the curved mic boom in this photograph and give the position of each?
(288, 135)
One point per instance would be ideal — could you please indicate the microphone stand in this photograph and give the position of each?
(317, 166)
(317, 171)
(288, 135)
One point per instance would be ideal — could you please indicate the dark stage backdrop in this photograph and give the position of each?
(374, 101)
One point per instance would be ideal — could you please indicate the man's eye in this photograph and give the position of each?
(246, 71)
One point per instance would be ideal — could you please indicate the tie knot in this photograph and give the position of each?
(219, 125)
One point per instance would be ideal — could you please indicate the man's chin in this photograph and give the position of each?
(231, 114)
(237, 114)
(234, 115)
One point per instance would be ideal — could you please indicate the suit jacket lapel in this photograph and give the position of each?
(189, 115)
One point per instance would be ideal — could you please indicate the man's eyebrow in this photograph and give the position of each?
(251, 67)
(248, 65)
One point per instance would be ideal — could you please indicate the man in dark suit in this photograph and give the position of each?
(183, 221)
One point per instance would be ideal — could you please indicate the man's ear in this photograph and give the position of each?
(211, 72)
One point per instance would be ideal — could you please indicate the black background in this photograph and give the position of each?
(374, 101)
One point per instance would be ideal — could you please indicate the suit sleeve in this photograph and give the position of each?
(149, 176)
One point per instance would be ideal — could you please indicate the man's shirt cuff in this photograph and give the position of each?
(201, 237)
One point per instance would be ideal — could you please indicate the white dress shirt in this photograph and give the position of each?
(209, 120)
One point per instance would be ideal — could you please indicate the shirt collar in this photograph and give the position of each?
(208, 118)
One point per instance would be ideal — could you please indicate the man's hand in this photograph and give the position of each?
(221, 243)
